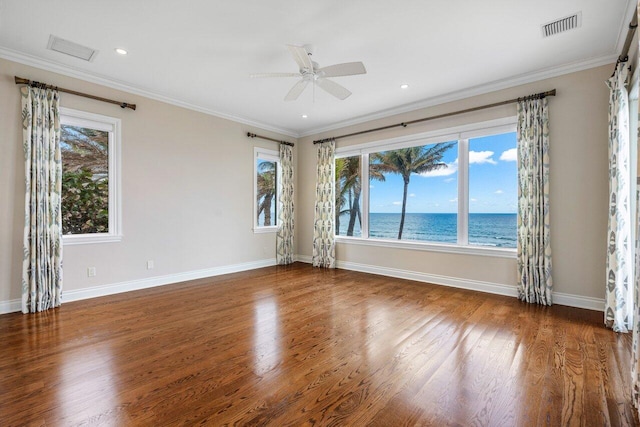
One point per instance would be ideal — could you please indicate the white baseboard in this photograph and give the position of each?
(559, 298)
(10, 306)
(150, 282)
(475, 285)
(578, 301)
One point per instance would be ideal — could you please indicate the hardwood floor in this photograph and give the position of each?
(302, 346)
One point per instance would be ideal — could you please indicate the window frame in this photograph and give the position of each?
(270, 156)
(112, 125)
(462, 134)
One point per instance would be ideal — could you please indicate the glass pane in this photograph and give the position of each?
(266, 198)
(85, 180)
(420, 181)
(348, 197)
(493, 191)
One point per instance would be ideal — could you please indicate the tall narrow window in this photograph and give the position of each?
(266, 173)
(89, 148)
(348, 196)
(493, 191)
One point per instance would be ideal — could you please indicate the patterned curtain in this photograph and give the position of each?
(42, 262)
(619, 292)
(324, 248)
(534, 248)
(635, 351)
(284, 236)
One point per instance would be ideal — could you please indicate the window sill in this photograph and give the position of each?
(271, 229)
(431, 247)
(87, 239)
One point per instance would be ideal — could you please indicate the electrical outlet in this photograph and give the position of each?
(150, 264)
(91, 272)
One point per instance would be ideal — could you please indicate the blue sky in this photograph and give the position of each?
(493, 186)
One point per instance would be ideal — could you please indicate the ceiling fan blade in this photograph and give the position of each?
(301, 56)
(260, 75)
(334, 88)
(346, 69)
(296, 90)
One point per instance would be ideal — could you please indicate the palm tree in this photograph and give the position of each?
(267, 189)
(349, 190)
(406, 161)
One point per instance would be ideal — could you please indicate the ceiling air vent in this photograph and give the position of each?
(562, 25)
(70, 48)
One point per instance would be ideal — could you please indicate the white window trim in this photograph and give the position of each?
(272, 156)
(461, 134)
(418, 245)
(113, 126)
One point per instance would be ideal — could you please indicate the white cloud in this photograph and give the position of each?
(449, 169)
(397, 203)
(371, 186)
(499, 191)
(510, 155)
(454, 200)
(474, 200)
(412, 195)
(481, 157)
(449, 179)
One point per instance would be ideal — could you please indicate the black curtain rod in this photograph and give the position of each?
(253, 135)
(440, 116)
(21, 81)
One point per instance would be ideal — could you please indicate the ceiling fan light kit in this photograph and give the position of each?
(311, 72)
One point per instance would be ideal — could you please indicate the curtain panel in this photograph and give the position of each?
(324, 251)
(284, 235)
(42, 253)
(619, 291)
(635, 351)
(534, 248)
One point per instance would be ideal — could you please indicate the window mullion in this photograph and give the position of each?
(463, 192)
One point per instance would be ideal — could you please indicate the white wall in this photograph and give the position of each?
(579, 188)
(187, 190)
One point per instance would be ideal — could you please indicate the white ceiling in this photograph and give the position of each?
(200, 53)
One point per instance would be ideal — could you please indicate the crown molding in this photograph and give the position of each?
(507, 83)
(66, 70)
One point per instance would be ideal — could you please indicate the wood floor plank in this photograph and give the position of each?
(297, 346)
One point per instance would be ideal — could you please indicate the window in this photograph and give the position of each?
(348, 196)
(90, 146)
(493, 191)
(406, 202)
(454, 190)
(266, 178)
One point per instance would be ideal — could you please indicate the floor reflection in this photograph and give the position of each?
(266, 339)
(87, 383)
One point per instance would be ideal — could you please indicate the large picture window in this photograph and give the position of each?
(90, 192)
(453, 191)
(266, 178)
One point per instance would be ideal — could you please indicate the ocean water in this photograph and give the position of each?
(496, 230)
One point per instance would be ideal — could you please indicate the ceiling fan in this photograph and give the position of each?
(311, 72)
